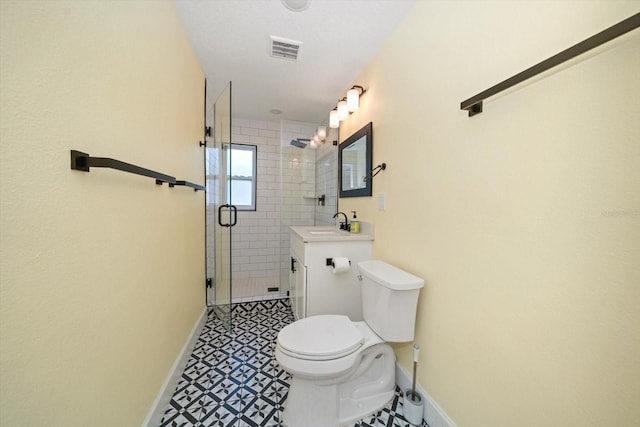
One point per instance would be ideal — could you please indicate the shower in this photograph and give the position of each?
(253, 255)
(300, 142)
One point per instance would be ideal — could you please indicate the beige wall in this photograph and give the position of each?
(524, 220)
(101, 273)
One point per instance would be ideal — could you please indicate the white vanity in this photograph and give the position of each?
(313, 287)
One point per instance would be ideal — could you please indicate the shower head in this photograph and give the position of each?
(299, 142)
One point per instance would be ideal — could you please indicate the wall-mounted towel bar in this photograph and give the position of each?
(195, 187)
(375, 171)
(474, 104)
(84, 162)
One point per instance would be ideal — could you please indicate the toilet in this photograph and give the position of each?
(343, 370)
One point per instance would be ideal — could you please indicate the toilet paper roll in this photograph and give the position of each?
(340, 265)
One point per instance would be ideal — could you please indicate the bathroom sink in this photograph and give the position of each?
(327, 234)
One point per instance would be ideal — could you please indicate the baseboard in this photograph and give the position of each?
(433, 413)
(154, 417)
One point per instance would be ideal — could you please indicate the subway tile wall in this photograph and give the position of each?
(256, 237)
(298, 187)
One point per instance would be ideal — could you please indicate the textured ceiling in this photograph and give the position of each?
(339, 37)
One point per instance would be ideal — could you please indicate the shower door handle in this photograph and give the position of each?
(233, 209)
(235, 215)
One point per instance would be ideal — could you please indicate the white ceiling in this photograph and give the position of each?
(339, 37)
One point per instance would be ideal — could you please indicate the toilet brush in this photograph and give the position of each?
(413, 401)
(416, 352)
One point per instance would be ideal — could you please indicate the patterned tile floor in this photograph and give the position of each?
(233, 380)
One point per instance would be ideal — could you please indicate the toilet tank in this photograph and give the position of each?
(389, 300)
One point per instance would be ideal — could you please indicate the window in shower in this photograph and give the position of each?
(241, 186)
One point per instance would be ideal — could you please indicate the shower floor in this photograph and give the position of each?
(250, 289)
(255, 289)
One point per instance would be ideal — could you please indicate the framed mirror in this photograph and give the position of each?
(355, 156)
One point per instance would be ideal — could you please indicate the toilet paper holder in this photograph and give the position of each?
(330, 262)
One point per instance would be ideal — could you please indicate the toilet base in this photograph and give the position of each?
(352, 410)
(363, 392)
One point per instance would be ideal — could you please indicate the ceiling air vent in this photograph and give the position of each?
(284, 48)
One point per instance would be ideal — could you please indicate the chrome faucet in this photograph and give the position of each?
(343, 225)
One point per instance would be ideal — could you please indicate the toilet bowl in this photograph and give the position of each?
(342, 370)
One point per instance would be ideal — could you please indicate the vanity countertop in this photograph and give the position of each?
(328, 234)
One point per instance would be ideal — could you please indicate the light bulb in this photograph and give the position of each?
(333, 119)
(353, 99)
(322, 132)
(343, 110)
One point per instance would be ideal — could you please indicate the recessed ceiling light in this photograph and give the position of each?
(296, 5)
(275, 111)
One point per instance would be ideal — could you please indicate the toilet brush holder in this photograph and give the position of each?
(413, 402)
(413, 407)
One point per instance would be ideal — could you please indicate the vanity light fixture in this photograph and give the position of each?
(322, 132)
(353, 97)
(333, 119)
(318, 137)
(346, 106)
(343, 110)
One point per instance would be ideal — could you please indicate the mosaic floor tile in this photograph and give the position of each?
(233, 380)
(219, 415)
(223, 388)
(259, 412)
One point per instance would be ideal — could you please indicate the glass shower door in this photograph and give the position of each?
(221, 215)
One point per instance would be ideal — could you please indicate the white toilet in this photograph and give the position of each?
(342, 370)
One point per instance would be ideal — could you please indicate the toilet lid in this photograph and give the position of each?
(322, 337)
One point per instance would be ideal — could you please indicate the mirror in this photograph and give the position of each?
(354, 163)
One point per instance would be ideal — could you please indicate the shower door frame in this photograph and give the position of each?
(219, 295)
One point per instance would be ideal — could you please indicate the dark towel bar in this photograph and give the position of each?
(375, 171)
(84, 162)
(474, 104)
(195, 187)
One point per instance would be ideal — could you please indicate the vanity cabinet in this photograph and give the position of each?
(314, 288)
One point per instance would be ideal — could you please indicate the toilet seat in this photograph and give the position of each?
(322, 337)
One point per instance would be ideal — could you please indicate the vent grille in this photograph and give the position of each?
(285, 48)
